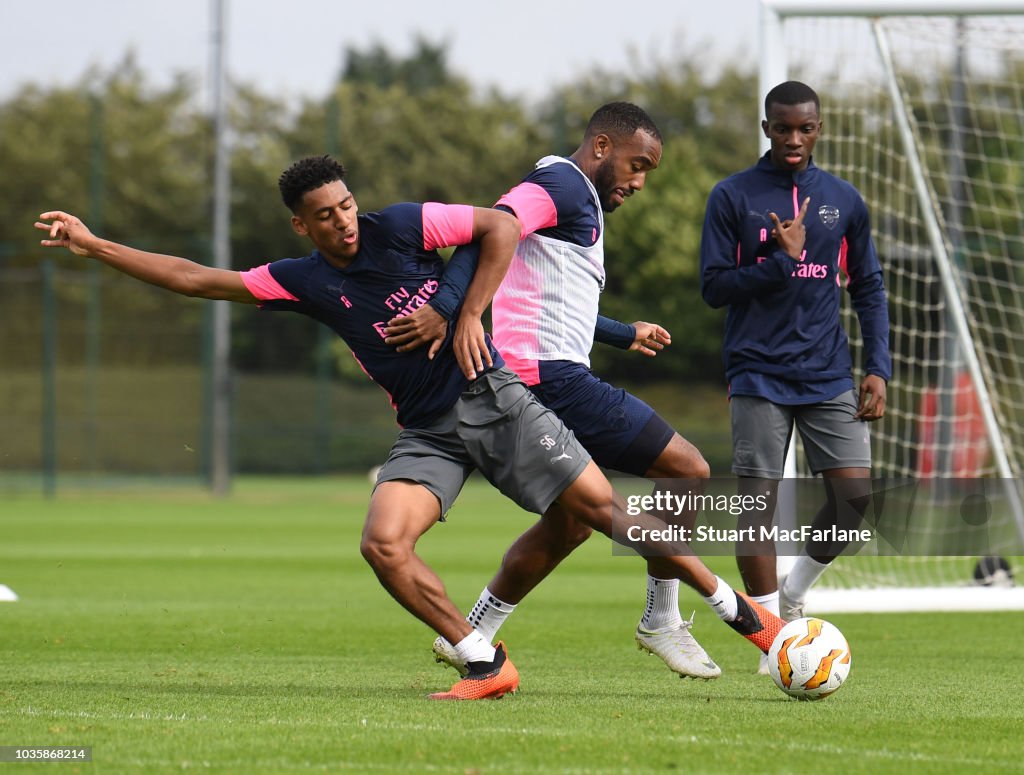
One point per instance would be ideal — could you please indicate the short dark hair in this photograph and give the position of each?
(307, 175)
(621, 119)
(791, 93)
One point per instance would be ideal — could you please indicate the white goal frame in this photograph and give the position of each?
(774, 69)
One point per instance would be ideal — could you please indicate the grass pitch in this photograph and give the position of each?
(171, 631)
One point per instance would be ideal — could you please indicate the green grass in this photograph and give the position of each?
(171, 631)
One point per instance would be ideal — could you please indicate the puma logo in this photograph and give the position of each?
(563, 456)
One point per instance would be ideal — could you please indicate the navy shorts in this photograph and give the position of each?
(619, 430)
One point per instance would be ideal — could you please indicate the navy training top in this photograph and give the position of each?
(783, 337)
(396, 271)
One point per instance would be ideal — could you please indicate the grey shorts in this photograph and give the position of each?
(499, 428)
(832, 438)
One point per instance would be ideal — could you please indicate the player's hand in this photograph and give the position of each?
(470, 346)
(871, 405)
(65, 231)
(791, 234)
(650, 338)
(424, 326)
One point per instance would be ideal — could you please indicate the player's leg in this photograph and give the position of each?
(533, 555)
(415, 487)
(625, 434)
(761, 431)
(400, 512)
(592, 501)
(847, 495)
(679, 468)
(678, 459)
(838, 446)
(756, 558)
(525, 564)
(536, 553)
(529, 454)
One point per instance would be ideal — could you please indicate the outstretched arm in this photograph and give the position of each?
(171, 272)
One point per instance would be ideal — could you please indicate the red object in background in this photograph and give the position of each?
(968, 439)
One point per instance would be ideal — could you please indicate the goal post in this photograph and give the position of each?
(923, 104)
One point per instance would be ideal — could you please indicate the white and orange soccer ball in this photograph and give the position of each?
(809, 659)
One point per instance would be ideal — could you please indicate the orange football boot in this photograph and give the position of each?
(756, 623)
(485, 680)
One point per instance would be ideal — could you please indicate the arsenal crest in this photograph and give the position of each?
(829, 216)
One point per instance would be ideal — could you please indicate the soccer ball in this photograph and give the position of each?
(809, 659)
(993, 572)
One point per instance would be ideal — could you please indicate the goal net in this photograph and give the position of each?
(923, 109)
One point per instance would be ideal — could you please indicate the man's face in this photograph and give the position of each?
(793, 131)
(624, 168)
(327, 215)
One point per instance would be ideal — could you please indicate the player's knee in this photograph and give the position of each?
(680, 460)
(846, 495)
(698, 467)
(691, 466)
(383, 554)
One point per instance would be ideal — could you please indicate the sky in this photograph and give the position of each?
(295, 47)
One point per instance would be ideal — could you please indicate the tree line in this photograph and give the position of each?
(135, 161)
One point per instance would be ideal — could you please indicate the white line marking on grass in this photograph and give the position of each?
(362, 724)
(134, 715)
(446, 728)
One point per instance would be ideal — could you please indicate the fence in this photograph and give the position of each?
(106, 378)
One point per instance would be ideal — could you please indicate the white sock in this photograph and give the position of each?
(662, 610)
(801, 577)
(723, 601)
(475, 648)
(489, 613)
(771, 602)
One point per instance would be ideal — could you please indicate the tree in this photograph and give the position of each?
(425, 69)
(407, 129)
(150, 150)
